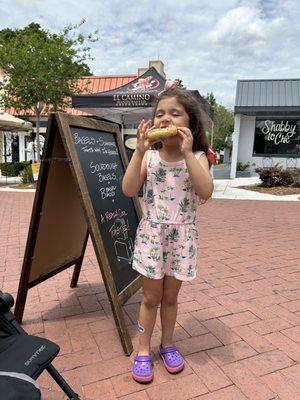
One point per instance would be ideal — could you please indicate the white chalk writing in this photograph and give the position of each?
(278, 133)
(109, 191)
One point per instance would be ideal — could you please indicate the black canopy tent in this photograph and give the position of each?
(131, 102)
(126, 104)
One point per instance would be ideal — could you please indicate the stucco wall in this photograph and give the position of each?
(246, 139)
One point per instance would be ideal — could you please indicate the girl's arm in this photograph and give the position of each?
(199, 174)
(136, 171)
(135, 174)
(198, 169)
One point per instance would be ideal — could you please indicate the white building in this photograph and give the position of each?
(266, 123)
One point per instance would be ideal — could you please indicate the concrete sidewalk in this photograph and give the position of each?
(238, 322)
(9, 180)
(229, 189)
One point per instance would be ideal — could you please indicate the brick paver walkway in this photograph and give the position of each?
(238, 322)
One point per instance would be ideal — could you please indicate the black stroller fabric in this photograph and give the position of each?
(26, 354)
(12, 388)
(23, 358)
(23, 354)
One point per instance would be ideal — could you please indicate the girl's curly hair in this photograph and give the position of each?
(192, 107)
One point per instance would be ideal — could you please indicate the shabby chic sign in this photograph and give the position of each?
(278, 132)
(277, 137)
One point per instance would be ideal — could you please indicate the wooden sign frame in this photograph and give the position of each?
(61, 182)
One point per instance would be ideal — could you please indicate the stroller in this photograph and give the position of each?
(23, 358)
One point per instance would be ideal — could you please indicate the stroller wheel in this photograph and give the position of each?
(6, 301)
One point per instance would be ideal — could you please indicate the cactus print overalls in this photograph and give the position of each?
(166, 239)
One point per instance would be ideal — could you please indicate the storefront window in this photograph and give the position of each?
(277, 137)
(15, 157)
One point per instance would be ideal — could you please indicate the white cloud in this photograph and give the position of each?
(209, 45)
(241, 30)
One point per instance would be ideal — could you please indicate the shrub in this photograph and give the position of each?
(27, 175)
(241, 167)
(276, 176)
(295, 172)
(286, 177)
(12, 168)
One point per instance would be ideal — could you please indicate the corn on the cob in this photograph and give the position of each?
(160, 133)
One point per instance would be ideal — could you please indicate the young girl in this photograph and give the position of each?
(176, 176)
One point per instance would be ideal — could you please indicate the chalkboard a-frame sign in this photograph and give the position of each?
(79, 194)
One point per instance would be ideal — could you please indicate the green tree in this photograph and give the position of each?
(223, 124)
(211, 99)
(223, 127)
(42, 68)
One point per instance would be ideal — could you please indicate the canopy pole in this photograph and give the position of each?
(122, 127)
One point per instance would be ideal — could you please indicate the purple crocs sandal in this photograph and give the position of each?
(172, 359)
(142, 369)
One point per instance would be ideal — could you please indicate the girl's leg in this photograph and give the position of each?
(168, 310)
(152, 295)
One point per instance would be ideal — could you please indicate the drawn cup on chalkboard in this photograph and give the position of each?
(122, 241)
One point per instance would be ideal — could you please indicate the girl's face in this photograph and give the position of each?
(170, 112)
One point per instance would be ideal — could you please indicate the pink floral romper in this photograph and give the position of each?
(166, 238)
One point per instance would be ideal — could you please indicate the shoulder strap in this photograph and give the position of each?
(150, 158)
(199, 154)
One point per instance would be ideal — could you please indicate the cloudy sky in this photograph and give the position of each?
(208, 44)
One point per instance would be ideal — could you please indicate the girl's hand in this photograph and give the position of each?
(143, 143)
(186, 140)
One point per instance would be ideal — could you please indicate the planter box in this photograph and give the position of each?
(243, 174)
